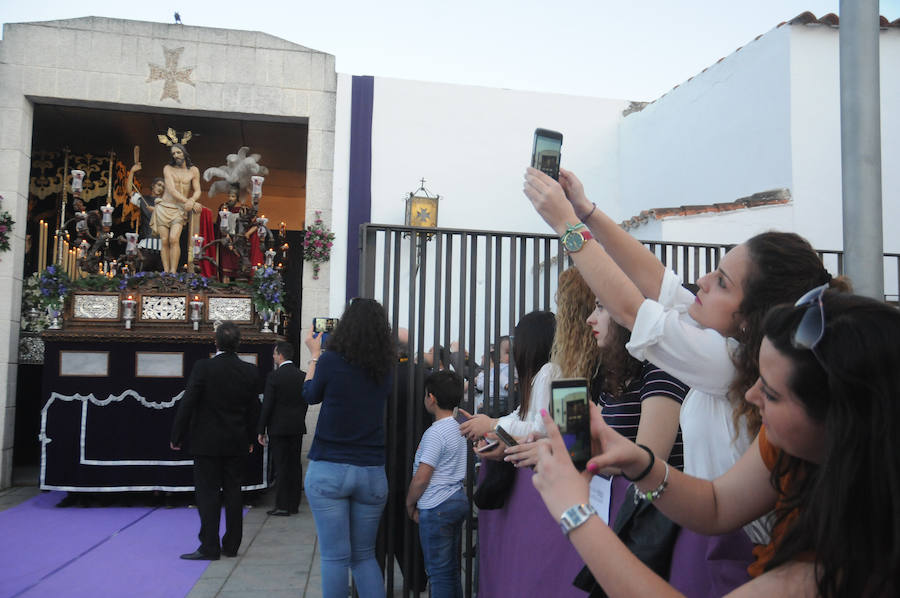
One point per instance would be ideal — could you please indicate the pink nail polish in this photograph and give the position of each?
(544, 413)
(592, 467)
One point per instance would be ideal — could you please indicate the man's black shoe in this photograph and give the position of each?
(199, 556)
(294, 511)
(230, 554)
(278, 512)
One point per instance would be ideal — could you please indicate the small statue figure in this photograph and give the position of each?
(148, 246)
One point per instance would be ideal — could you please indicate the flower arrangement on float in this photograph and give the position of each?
(6, 224)
(267, 292)
(54, 285)
(317, 244)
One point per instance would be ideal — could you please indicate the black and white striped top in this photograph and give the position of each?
(623, 413)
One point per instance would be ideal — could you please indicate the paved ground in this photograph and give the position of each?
(277, 559)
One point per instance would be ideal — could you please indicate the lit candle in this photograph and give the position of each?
(196, 245)
(281, 228)
(128, 311)
(196, 311)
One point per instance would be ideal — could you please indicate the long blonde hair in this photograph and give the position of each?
(574, 349)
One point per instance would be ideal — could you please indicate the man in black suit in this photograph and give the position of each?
(220, 406)
(284, 415)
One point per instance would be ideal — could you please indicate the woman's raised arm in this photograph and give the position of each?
(613, 288)
(641, 266)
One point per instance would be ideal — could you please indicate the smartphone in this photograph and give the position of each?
(547, 152)
(323, 326)
(571, 413)
(460, 417)
(489, 446)
(503, 435)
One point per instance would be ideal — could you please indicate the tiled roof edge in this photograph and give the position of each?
(773, 197)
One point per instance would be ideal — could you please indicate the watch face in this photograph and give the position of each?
(573, 241)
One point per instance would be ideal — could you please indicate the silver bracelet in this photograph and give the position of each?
(575, 516)
(656, 492)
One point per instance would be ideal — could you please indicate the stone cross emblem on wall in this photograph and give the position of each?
(171, 74)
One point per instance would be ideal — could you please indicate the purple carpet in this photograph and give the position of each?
(96, 552)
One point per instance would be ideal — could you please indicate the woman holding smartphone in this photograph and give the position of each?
(709, 341)
(345, 482)
(531, 354)
(825, 460)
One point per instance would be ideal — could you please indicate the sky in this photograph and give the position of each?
(634, 50)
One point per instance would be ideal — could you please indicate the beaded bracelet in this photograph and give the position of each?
(644, 473)
(589, 214)
(656, 492)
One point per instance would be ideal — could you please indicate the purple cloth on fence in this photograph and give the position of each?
(619, 488)
(521, 550)
(96, 551)
(710, 566)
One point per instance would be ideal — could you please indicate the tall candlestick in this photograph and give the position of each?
(40, 247)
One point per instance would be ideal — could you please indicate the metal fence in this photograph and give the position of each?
(468, 288)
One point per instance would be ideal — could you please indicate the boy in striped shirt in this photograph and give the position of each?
(436, 499)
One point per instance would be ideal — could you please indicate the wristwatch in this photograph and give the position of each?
(575, 516)
(575, 236)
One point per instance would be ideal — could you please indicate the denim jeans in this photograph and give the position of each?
(440, 531)
(346, 502)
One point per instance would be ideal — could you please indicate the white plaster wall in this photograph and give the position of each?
(472, 145)
(722, 135)
(340, 193)
(816, 135)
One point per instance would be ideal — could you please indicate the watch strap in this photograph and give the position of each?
(575, 516)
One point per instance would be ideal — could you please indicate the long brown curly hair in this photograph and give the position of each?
(574, 349)
(619, 368)
(783, 266)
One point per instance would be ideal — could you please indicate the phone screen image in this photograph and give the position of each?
(324, 324)
(569, 398)
(547, 151)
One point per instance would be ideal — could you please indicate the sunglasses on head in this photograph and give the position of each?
(811, 328)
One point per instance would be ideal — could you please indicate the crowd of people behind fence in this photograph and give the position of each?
(741, 434)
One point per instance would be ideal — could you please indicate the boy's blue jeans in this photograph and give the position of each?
(440, 531)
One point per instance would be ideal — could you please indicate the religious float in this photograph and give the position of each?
(119, 341)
